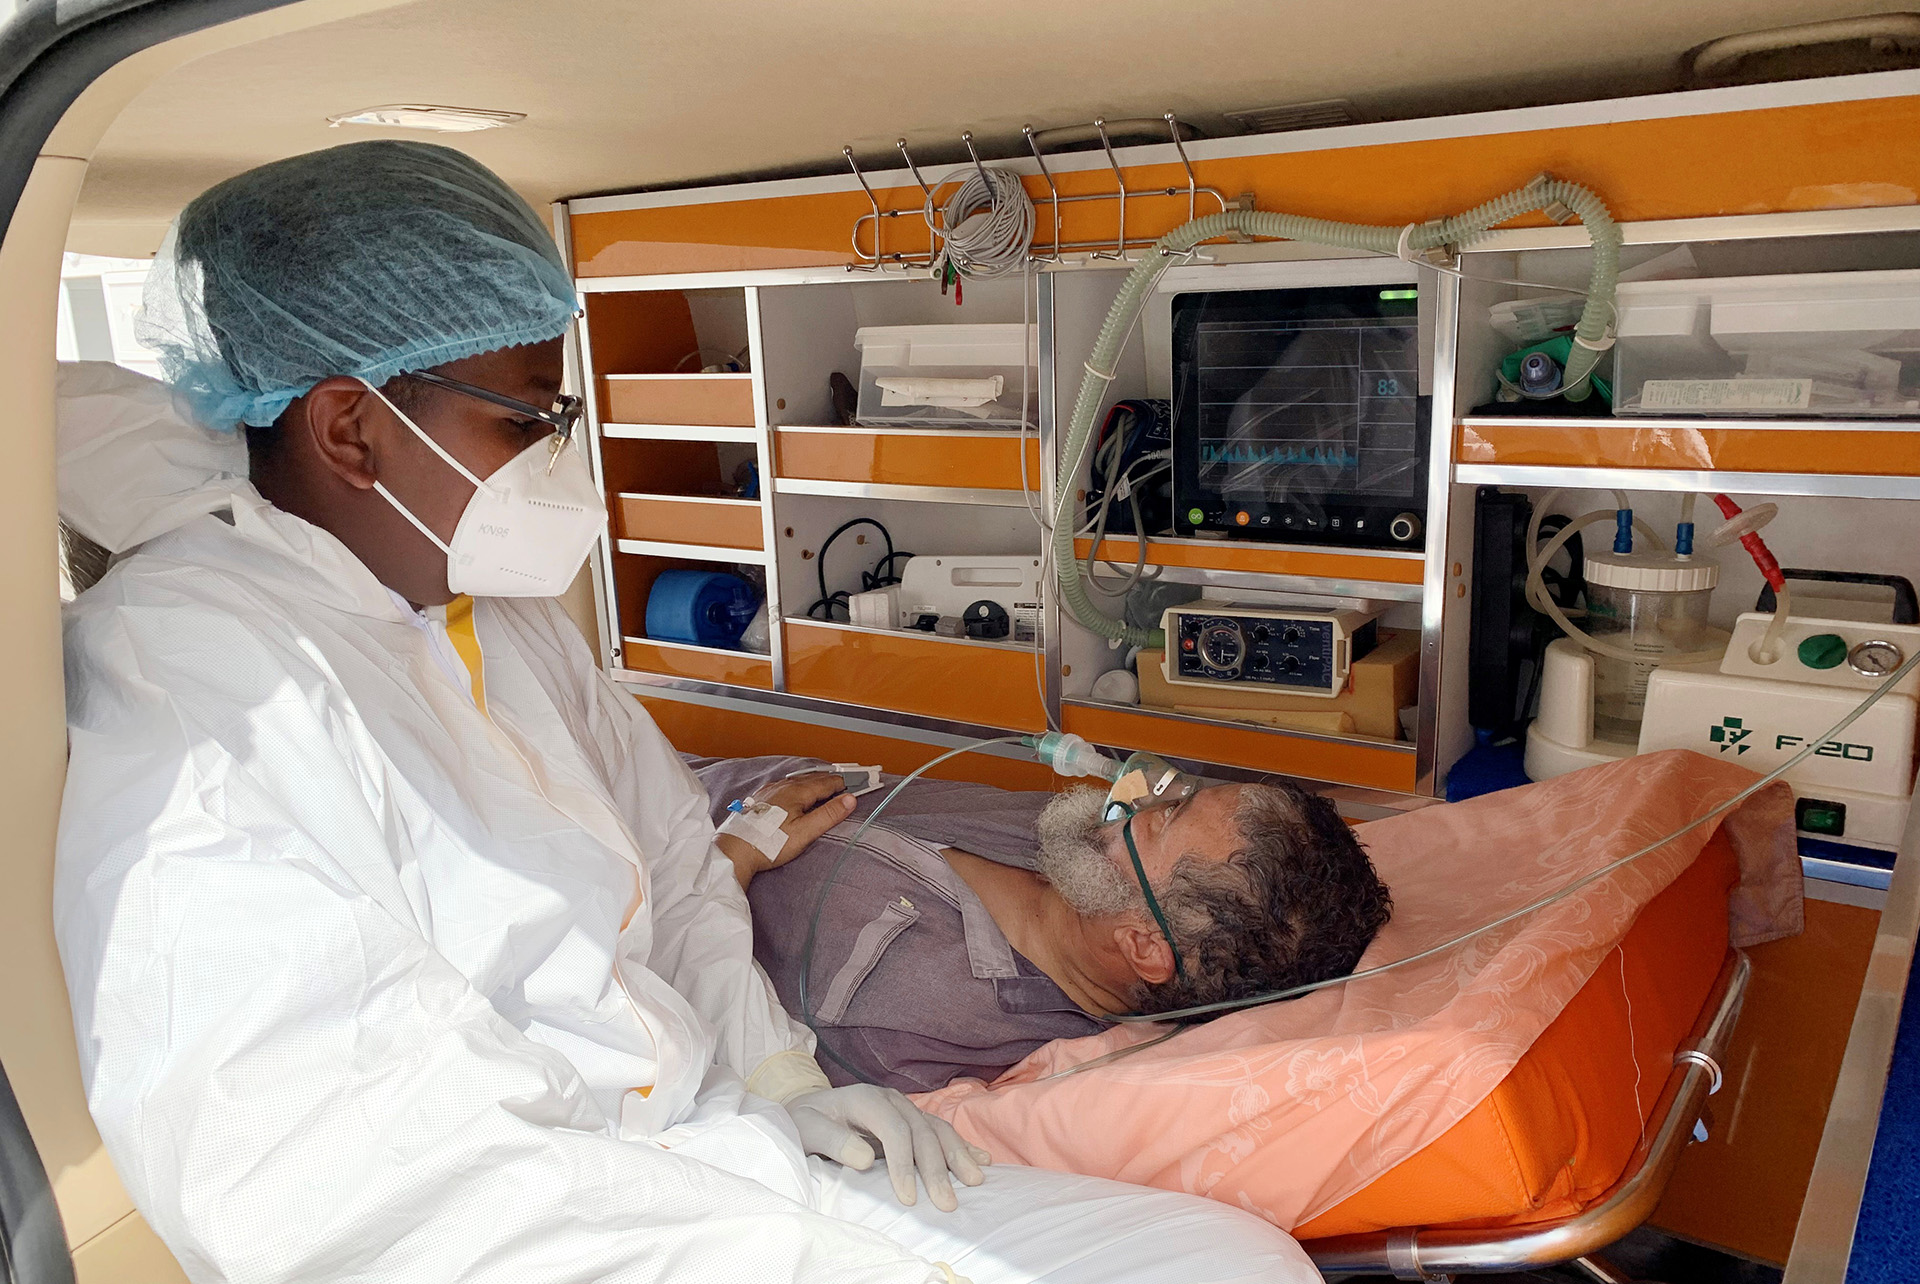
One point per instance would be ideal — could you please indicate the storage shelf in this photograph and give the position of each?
(961, 679)
(708, 664)
(681, 432)
(958, 459)
(693, 552)
(713, 400)
(1372, 566)
(1355, 760)
(1850, 447)
(707, 520)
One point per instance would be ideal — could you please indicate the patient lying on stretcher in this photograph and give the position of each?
(953, 942)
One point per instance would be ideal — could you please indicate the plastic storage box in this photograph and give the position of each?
(947, 376)
(1842, 344)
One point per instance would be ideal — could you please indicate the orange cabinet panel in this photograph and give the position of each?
(676, 519)
(1341, 762)
(915, 673)
(978, 461)
(741, 668)
(1801, 157)
(733, 733)
(725, 399)
(1265, 559)
(1620, 443)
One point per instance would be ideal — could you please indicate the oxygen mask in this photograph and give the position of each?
(1147, 780)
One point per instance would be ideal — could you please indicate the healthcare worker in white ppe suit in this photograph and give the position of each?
(400, 945)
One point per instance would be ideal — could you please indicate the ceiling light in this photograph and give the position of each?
(441, 120)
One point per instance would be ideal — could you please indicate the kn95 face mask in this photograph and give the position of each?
(527, 528)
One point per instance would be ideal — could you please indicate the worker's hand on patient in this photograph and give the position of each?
(844, 1125)
(812, 809)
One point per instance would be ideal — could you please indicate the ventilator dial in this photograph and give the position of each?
(1223, 647)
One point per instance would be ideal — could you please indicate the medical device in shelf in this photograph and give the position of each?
(1298, 414)
(1301, 652)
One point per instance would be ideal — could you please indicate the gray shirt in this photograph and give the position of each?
(912, 984)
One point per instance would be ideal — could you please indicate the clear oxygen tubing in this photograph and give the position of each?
(1257, 1000)
(820, 899)
(1590, 336)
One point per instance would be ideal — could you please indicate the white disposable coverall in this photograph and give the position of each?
(371, 985)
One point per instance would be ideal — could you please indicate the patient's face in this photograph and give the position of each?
(1087, 862)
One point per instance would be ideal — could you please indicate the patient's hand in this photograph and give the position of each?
(814, 803)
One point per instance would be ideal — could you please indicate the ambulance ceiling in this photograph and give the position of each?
(621, 94)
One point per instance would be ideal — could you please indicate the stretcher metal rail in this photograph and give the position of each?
(1439, 1253)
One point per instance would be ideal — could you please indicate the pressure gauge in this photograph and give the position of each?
(1874, 658)
(1223, 647)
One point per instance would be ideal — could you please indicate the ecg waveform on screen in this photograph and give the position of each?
(1336, 456)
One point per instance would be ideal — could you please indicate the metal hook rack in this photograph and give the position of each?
(871, 226)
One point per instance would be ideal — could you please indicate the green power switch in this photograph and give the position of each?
(1817, 816)
(1823, 651)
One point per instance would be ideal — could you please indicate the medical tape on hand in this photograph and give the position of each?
(759, 825)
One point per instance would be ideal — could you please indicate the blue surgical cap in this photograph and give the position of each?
(371, 259)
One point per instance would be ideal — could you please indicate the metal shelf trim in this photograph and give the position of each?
(680, 432)
(880, 490)
(1811, 485)
(1017, 648)
(694, 552)
(899, 430)
(1677, 423)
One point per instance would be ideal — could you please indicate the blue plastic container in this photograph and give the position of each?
(703, 608)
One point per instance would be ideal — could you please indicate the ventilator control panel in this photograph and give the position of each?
(1303, 652)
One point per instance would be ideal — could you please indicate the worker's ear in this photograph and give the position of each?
(339, 414)
(1146, 952)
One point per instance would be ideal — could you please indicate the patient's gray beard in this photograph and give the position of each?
(1075, 861)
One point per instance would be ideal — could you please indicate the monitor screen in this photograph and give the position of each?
(1314, 398)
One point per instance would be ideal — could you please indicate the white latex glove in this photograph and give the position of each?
(844, 1125)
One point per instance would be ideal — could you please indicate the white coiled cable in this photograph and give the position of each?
(987, 224)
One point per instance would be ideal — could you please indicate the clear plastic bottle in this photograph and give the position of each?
(1654, 604)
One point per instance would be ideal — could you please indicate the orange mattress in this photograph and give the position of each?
(1559, 1130)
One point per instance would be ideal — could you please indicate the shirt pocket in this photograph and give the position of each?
(872, 942)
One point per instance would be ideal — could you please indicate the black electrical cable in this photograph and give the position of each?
(881, 576)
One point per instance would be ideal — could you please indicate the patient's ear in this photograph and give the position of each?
(1146, 952)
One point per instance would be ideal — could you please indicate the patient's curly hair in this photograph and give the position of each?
(1298, 902)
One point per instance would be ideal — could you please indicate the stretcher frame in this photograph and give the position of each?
(1440, 1253)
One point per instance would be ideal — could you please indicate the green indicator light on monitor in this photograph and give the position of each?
(1195, 516)
(1399, 294)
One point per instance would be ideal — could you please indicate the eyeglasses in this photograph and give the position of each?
(563, 416)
